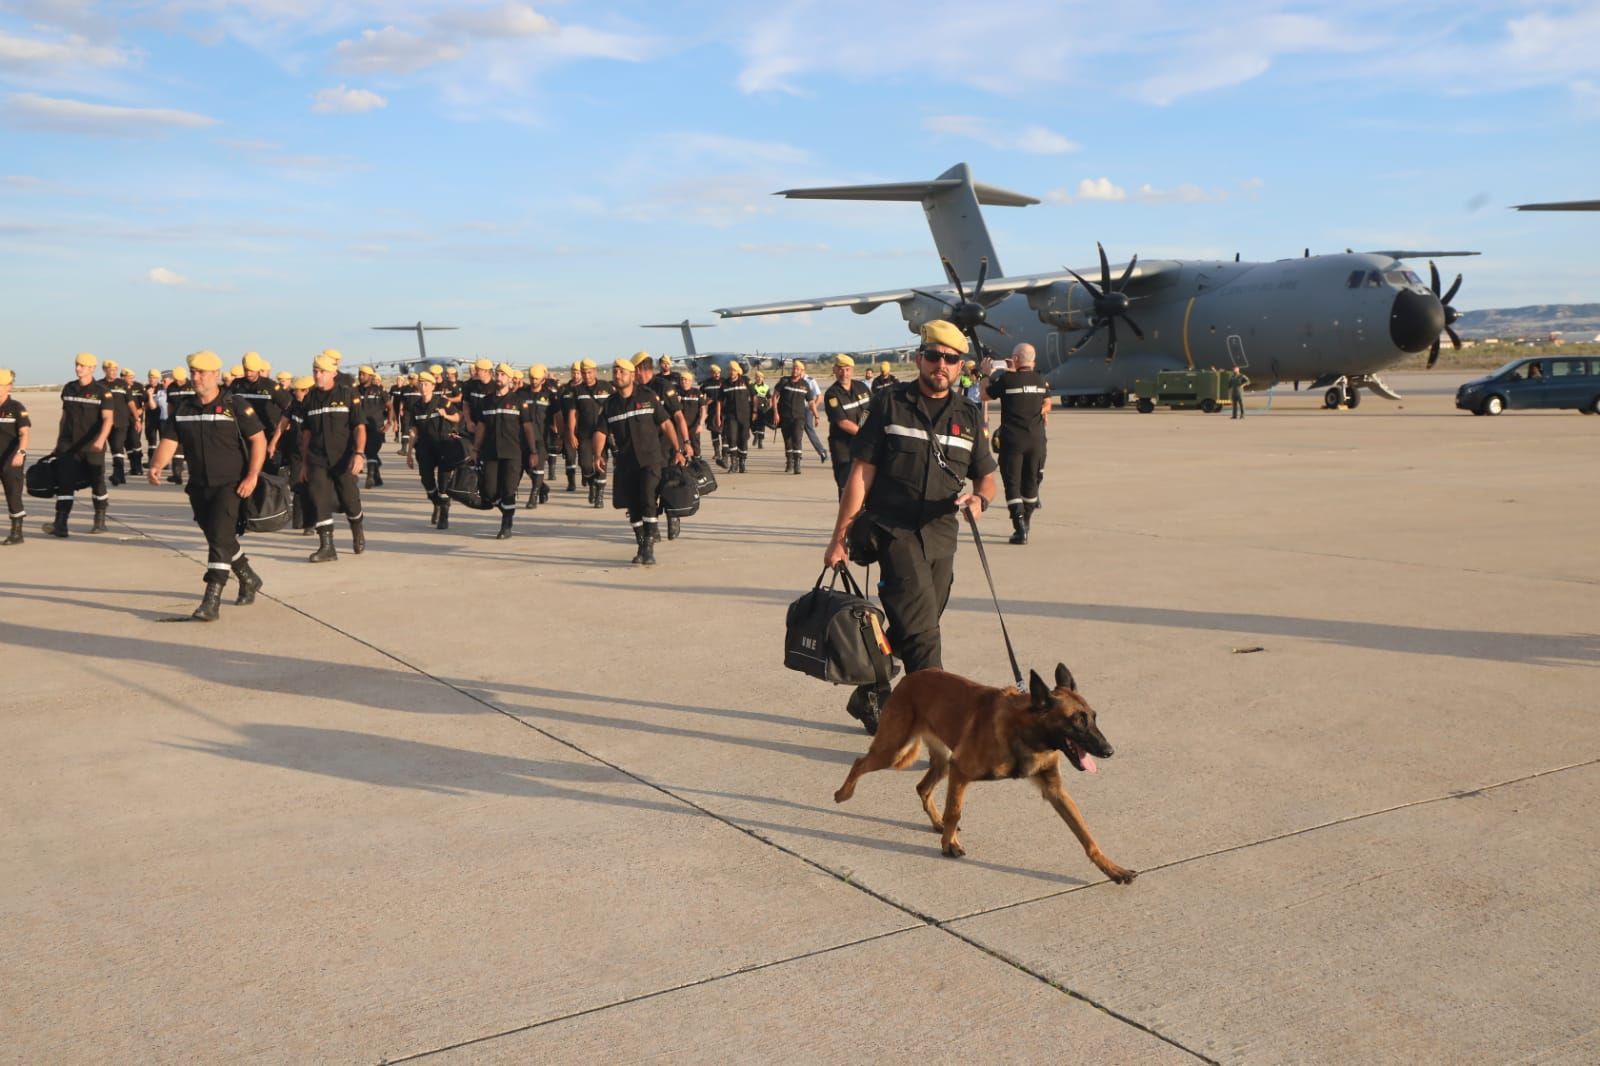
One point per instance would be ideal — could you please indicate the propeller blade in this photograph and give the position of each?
(1111, 339)
(931, 296)
(1454, 287)
(989, 325)
(1105, 267)
(950, 272)
(1455, 340)
(983, 272)
(1126, 273)
(1137, 332)
(1435, 272)
(1433, 353)
(1094, 292)
(1085, 338)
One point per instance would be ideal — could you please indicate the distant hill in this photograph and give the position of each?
(1577, 321)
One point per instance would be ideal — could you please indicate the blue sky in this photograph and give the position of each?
(278, 175)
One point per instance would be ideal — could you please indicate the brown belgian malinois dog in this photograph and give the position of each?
(978, 733)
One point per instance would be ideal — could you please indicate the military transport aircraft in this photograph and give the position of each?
(407, 366)
(1331, 320)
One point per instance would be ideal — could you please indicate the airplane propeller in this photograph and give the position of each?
(1450, 313)
(1110, 304)
(969, 312)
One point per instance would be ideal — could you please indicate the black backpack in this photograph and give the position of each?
(679, 497)
(705, 480)
(836, 634)
(267, 509)
(461, 484)
(41, 478)
(452, 452)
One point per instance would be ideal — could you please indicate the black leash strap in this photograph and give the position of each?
(1016, 671)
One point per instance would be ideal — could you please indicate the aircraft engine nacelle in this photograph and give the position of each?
(1064, 305)
(919, 311)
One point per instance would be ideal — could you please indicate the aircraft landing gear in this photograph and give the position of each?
(1345, 393)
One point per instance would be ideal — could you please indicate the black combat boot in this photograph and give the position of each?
(376, 466)
(865, 703)
(325, 553)
(1019, 524)
(249, 582)
(788, 463)
(549, 471)
(533, 496)
(136, 463)
(654, 529)
(444, 514)
(505, 525)
(100, 509)
(58, 528)
(358, 536)
(16, 532)
(674, 527)
(640, 539)
(647, 549)
(212, 604)
(572, 479)
(743, 458)
(371, 475)
(544, 489)
(797, 458)
(434, 521)
(599, 493)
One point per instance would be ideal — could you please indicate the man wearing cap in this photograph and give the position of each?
(793, 399)
(226, 445)
(15, 427)
(501, 437)
(541, 398)
(846, 405)
(374, 416)
(473, 391)
(121, 419)
(692, 401)
(155, 400)
(135, 427)
(254, 387)
(635, 423)
(402, 397)
(910, 466)
(87, 415)
(884, 378)
(735, 399)
(1024, 405)
(433, 421)
(665, 386)
(711, 397)
(332, 442)
(585, 426)
(561, 416)
(285, 444)
(179, 390)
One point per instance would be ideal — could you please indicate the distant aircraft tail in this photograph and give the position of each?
(951, 203)
(688, 336)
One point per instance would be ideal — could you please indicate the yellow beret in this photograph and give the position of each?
(586, 364)
(436, 370)
(205, 360)
(236, 371)
(538, 372)
(127, 371)
(7, 377)
(153, 374)
(427, 377)
(253, 361)
(367, 370)
(284, 375)
(883, 368)
(641, 358)
(665, 360)
(946, 333)
(734, 365)
(304, 383)
(332, 354)
(180, 373)
(504, 368)
(324, 362)
(109, 364)
(85, 359)
(622, 364)
(483, 364)
(843, 360)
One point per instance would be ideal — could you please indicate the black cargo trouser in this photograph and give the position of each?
(636, 489)
(586, 457)
(1021, 459)
(914, 589)
(375, 441)
(793, 428)
(152, 432)
(498, 482)
(12, 478)
(736, 435)
(216, 512)
(426, 456)
(72, 468)
(329, 490)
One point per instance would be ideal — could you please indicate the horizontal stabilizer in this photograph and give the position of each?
(912, 191)
(1407, 254)
(1561, 205)
(679, 325)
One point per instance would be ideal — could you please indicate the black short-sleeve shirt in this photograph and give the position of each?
(666, 391)
(503, 418)
(1022, 394)
(588, 403)
(332, 416)
(793, 397)
(427, 418)
(736, 399)
(259, 395)
(81, 408)
(13, 420)
(211, 438)
(844, 405)
(634, 423)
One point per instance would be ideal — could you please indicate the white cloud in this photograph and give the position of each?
(345, 101)
(171, 279)
(1181, 194)
(27, 53)
(1035, 140)
(508, 20)
(1095, 189)
(54, 114)
(392, 51)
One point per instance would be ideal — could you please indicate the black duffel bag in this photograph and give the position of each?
(40, 479)
(679, 496)
(705, 481)
(462, 486)
(268, 508)
(452, 453)
(836, 634)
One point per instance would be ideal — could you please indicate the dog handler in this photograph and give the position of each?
(226, 445)
(910, 465)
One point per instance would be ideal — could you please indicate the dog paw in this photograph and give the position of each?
(842, 795)
(953, 849)
(1120, 875)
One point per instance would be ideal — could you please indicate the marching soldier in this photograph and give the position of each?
(285, 444)
(846, 405)
(473, 391)
(665, 386)
(135, 427)
(405, 395)
(711, 397)
(760, 409)
(541, 394)
(792, 400)
(177, 392)
(501, 437)
(282, 391)
(87, 415)
(884, 378)
(433, 420)
(1024, 405)
(565, 401)
(332, 453)
(910, 465)
(374, 404)
(635, 423)
(121, 420)
(254, 387)
(586, 425)
(226, 445)
(734, 400)
(692, 400)
(15, 428)
(155, 398)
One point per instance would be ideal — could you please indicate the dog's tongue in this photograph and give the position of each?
(1088, 763)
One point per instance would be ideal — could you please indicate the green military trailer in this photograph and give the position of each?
(1183, 390)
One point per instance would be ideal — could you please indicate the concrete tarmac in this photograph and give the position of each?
(468, 800)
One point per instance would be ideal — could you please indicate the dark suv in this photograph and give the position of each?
(1549, 381)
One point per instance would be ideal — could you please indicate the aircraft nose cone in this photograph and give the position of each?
(1416, 320)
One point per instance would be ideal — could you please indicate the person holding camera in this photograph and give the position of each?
(910, 467)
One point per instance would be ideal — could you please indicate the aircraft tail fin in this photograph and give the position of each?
(688, 335)
(951, 203)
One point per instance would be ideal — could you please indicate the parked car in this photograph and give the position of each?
(1555, 381)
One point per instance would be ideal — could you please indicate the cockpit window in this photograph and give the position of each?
(1402, 278)
(1356, 277)
(1374, 280)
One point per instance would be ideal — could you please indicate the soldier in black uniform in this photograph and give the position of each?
(374, 415)
(155, 386)
(735, 400)
(666, 389)
(1024, 405)
(254, 387)
(285, 445)
(502, 435)
(792, 397)
(561, 411)
(634, 423)
(473, 390)
(586, 426)
(911, 461)
(226, 445)
(86, 420)
(332, 443)
(135, 427)
(15, 427)
(282, 390)
(884, 378)
(403, 396)
(845, 404)
(177, 392)
(541, 395)
(433, 421)
(692, 400)
(711, 394)
(121, 420)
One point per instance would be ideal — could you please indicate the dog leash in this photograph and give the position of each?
(1016, 671)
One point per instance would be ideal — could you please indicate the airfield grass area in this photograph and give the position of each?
(466, 800)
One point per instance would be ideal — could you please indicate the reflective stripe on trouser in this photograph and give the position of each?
(735, 435)
(914, 590)
(426, 456)
(216, 512)
(1021, 459)
(72, 468)
(328, 491)
(499, 480)
(635, 489)
(792, 430)
(586, 459)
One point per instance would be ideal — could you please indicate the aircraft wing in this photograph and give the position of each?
(1562, 205)
(994, 289)
(1408, 254)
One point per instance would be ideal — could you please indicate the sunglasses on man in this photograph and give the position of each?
(948, 358)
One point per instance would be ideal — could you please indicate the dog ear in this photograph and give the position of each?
(1038, 690)
(1064, 678)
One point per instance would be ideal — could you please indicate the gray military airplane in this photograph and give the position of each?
(702, 362)
(1331, 320)
(406, 366)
